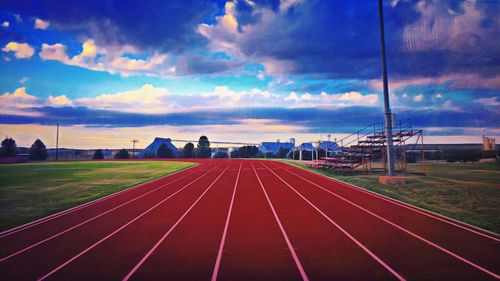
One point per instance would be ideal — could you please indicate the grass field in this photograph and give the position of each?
(33, 190)
(466, 192)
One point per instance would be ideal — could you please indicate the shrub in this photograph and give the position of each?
(122, 154)
(221, 154)
(465, 155)
(38, 151)
(164, 152)
(98, 154)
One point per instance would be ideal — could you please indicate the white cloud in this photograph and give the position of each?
(41, 24)
(222, 34)
(54, 52)
(19, 98)
(5, 24)
(418, 98)
(59, 101)
(20, 50)
(23, 80)
(150, 99)
(448, 105)
(493, 101)
(111, 59)
(147, 99)
(260, 75)
(332, 100)
(19, 102)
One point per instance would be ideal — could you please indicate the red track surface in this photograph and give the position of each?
(247, 220)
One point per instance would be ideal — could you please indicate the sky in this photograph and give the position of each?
(244, 70)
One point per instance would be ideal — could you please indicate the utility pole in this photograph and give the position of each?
(327, 144)
(387, 108)
(133, 148)
(57, 142)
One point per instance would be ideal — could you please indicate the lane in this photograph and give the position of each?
(41, 259)
(413, 257)
(483, 249)
(190, 250)
(114, 255)
(255, 248)
(44, 228)
(326, 252)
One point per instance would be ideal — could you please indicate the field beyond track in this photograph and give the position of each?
(32, 190)
(248, 220)
(467, 192)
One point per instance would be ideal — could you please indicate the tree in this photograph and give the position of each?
(38, 151)
(98, 154)
(204, 149)
(9, 148)
(188, 151)
(247, 151)
(221, 154)
(122, 154)
(164, 152)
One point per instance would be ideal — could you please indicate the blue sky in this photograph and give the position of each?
(109, 71)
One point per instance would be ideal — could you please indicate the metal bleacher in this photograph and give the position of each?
(360, 148)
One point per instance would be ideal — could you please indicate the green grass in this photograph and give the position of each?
(33, 190)
(466, 192)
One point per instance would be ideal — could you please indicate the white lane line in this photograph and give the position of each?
(226, 226)
(119, 229)
(375, 257)
(86, 221)
(289, 244)
(401, 228)
(445, 219)
(148, 254)
(29, 225)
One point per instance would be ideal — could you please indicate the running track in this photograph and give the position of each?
(247, 220)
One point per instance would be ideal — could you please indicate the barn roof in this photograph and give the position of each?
(153, 147)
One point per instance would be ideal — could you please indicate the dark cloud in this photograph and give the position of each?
(198, 64)
(167, 26)
(341, 38)
(342, 120)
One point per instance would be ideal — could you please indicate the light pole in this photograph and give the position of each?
(57, 141)
(133, 148)
(387, 107)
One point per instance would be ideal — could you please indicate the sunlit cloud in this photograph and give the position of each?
(20, 50)
(19, 102)
(41, 24)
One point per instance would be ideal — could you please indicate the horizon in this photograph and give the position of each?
(246, 71)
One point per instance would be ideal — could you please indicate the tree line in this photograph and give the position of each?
(37, 151)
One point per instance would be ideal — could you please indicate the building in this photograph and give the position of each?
(329, 146)
(489, 144)
(150, 150)
(274, 147)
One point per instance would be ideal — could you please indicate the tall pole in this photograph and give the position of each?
(387, 108)
(57, 141)
(133, 148)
